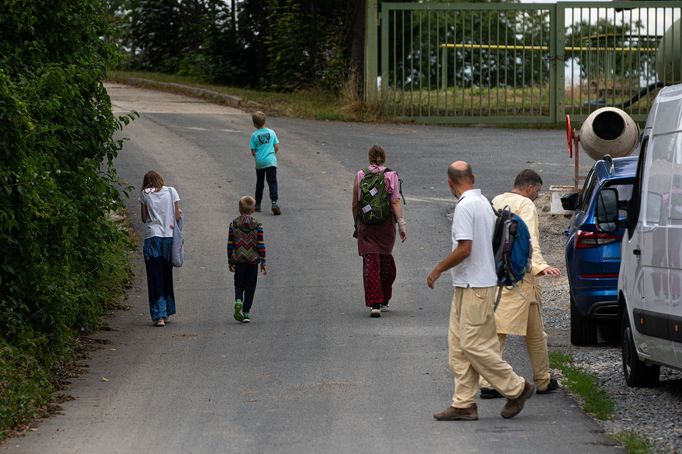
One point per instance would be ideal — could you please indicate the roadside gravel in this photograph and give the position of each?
(654, 413)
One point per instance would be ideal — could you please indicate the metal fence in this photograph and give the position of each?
(519, 63)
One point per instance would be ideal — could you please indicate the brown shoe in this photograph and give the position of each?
(514, 406)
(458, 414)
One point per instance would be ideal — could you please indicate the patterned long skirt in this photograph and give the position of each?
(378, 273)
(157, 261)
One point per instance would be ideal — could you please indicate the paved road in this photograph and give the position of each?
(312, 372)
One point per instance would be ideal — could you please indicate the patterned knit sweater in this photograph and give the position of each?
(245, 241)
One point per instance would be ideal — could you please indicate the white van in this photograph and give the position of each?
(650, 278)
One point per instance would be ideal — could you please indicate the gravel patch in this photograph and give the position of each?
(654, 413)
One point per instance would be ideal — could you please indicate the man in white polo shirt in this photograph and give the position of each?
(472, 337)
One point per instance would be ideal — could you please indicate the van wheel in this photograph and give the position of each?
(583, 329)
(637, 373)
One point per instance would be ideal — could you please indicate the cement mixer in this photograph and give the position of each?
(606, 131)
(611, 131)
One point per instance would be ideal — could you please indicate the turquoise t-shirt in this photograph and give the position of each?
(263, 141)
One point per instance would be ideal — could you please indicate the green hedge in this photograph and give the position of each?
(62, 260)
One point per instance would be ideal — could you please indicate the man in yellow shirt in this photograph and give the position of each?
(520, 311)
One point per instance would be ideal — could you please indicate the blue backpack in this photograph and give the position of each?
(512, 248)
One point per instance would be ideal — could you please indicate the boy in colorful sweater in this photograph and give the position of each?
(245, 251)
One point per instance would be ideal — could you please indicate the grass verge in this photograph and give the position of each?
(312, 104)
(593, 400)
(633, 442)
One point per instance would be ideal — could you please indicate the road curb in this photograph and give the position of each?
(201, 93)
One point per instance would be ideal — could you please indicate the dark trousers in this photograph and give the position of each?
(269, 173)
(378, 275)
(245, 279)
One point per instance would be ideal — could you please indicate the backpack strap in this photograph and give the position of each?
(400, 184)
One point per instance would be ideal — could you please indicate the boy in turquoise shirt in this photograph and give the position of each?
(264, 147)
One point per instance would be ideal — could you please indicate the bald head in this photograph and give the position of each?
(460, 172)
(460, 178)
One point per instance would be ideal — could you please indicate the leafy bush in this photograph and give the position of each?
(58, 248)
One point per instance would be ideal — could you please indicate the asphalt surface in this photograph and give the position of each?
(312, 372)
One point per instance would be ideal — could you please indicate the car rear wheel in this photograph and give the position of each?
(583, 329)
(637, 373)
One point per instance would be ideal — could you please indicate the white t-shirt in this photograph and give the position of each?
(161, 210)
(474, 220)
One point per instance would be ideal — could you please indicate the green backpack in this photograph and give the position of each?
(374, 203)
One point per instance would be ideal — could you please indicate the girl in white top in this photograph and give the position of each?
(160, 209)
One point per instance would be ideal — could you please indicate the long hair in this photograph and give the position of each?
(377, 155)
(152, 180)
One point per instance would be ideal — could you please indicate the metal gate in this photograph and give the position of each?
(521, 63)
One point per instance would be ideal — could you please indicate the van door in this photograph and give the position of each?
(675, 253)
(651, 304)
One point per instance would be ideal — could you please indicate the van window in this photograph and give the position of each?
(636, 201)
(659, 179)
(676, 190)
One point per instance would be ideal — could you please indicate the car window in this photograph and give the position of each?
(624, 196)
(588, 187)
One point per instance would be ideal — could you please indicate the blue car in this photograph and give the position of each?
(593, 251)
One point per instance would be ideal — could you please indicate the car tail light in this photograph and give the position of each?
(585, 240)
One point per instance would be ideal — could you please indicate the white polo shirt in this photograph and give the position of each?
(474, 220)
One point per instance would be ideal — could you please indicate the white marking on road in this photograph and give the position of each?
(431, 200)
(196, 128)
(229, 130)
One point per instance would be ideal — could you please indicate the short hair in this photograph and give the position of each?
(377, 155)
(456, 174)
(247, 205)
(152, 179)
(527, 177)
(258, 119)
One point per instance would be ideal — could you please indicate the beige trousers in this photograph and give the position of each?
(536, 344)
(475, 349)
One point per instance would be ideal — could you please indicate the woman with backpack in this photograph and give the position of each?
(376, 210)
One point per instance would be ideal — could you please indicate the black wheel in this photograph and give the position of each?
(637, 373)
(583, 329)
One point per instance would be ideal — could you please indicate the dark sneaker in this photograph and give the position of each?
(385, 307)
(257, 209)
(514, 406)
(551, 387)
(458, 414)
(275, 209)
(376, 311)
(247, 318)
(238, 311)
(490, 393)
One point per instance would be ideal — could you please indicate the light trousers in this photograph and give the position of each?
(475, 349)
(536, 344)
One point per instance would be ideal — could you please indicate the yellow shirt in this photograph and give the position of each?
(511, 316)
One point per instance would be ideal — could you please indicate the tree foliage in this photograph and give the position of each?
(58, 249)
(279, 44)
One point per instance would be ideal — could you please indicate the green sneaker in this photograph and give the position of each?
(238, 311)
(247, 318)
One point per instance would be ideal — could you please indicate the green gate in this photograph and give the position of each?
(520, 63)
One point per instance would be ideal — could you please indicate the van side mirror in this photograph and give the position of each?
(569, 202)
(607, 209)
